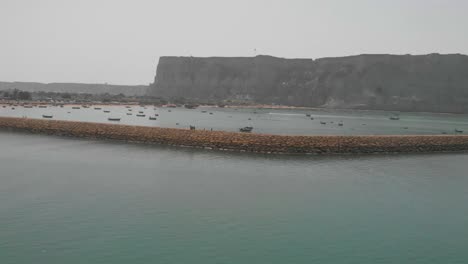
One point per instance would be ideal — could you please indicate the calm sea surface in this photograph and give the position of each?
(270, 121)
(82, 201)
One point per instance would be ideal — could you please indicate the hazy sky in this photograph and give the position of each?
(115, 41)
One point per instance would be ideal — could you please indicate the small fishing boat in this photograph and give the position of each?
(106, 111)
(97, 108)
(211, 113)
(246, 129)
(191, 106)
(323, 122)
(47, 116)
(113, 118)
(308, 115)
(152, 118)
(340, 124)
(129, 113)
(141, 115)
(458, 130)
(204, 111)
(394, 117)
(28, 106)
(75, 107)
(42, 106)
(156, 114)
(127, 106)
(141, 112)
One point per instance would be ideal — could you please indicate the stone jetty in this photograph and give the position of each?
(261, 143)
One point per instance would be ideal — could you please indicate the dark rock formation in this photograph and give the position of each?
(434, 82)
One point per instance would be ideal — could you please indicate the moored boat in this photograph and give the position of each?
(191, 106)
(246, 129)
(47, 116)
(113, 118)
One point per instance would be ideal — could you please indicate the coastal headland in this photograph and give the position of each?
(245, 142)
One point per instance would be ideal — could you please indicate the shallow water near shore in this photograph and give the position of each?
(68, 200)
(268, 121)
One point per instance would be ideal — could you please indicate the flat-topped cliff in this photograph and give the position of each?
(434, 82)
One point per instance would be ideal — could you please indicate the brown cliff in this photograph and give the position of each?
(433, 83)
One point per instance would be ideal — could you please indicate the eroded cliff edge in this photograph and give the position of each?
(434, 82)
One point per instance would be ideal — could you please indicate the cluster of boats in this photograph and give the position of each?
(114, 119)
(141, 113)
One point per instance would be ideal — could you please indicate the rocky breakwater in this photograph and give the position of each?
(241, 141)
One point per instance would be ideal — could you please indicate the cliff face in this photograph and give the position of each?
(436, 83)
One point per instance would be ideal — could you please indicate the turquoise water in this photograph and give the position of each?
(82, 201)
(270, 121)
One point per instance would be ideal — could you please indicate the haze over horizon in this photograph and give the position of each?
(119, 42)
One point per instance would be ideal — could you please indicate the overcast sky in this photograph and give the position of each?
(119, 42)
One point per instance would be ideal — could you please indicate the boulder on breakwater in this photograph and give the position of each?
(262, 143)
